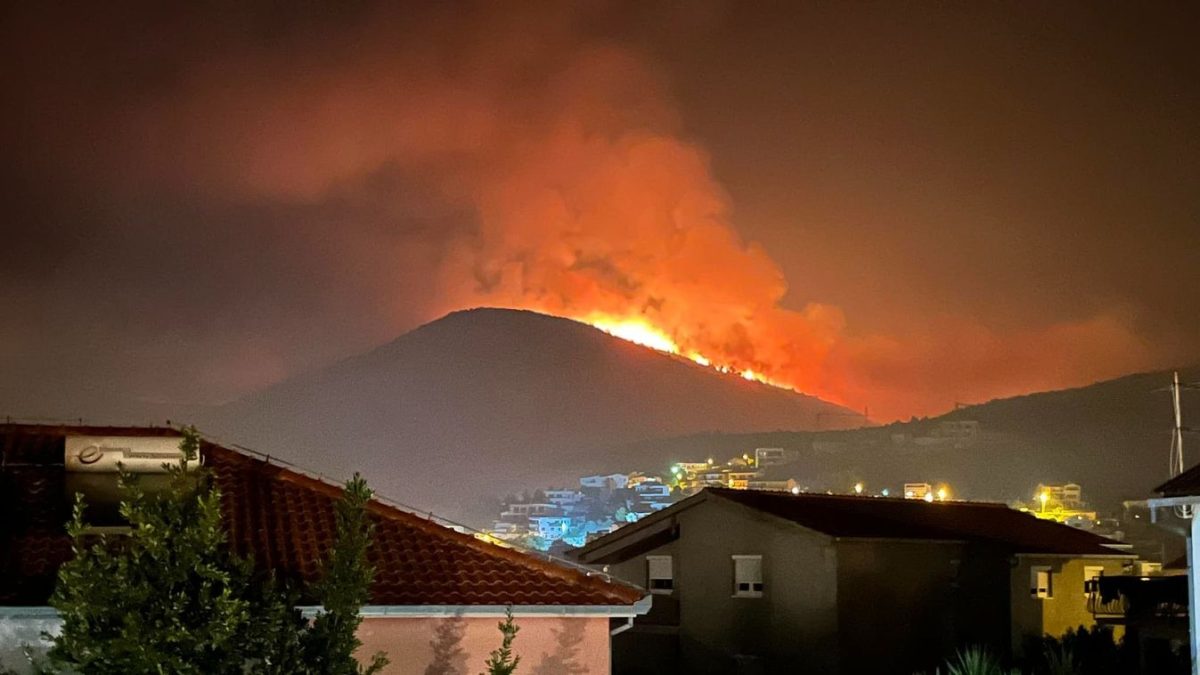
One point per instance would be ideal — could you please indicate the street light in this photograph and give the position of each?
(1043, 498)
(858, 488)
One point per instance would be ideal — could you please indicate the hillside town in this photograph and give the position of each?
(561, 518)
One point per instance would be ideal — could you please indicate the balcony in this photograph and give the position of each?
(1119, 599)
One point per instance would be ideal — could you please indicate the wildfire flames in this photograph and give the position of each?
(642, 333)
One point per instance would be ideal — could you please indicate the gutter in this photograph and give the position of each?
(424, 611)
(623, 627)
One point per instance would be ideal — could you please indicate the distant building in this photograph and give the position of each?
(1068, 496)
(613, 481)
(550, 527)
(653, 490)
(917, 490)
(693, 468)
(637, 478)
(770, 456)
(526, 509)
(767, 582)
(563, 497)
(776, 485)
(740, 479)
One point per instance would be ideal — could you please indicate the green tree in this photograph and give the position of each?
(502, 661)
(170, 597)
(332, 639)
(167, 596)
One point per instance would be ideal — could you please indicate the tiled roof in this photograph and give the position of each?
(284, 519)
(882, 518)
(1186, 484)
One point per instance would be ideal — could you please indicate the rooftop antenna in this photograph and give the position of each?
(1176, 460)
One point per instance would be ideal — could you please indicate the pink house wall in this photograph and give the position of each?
(460, 645)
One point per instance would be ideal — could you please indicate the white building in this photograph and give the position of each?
(612, 481)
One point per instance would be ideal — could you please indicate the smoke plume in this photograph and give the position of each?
(376, 167)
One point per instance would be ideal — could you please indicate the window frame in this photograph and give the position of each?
(668, 590)
(1035, 590)
(749, 592)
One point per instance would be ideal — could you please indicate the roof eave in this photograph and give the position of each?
(638, 608)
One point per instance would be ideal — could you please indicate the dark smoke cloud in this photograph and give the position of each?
(207, 199)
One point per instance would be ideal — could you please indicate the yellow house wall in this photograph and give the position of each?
(1067, 608)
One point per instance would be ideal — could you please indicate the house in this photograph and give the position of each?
(432, 583)
(615, 481)
(1178, 500)
(1068, 496)
(564, 497)
(653, 490)
(917, 490)
(755, 581)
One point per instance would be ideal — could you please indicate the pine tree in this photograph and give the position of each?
(502, 661)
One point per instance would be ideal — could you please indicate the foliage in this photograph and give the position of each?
(343, 589)
(170, 597)
(502, 661)
(1079, 652)
(164, 598)
(975, 661)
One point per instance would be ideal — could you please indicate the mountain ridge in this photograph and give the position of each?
(513, 396)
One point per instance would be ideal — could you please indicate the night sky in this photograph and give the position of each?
(899, 205)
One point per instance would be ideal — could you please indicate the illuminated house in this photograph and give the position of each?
(773, 582)
(427, 576)
(1068, 496)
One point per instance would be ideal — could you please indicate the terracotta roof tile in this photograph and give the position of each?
(283, 520)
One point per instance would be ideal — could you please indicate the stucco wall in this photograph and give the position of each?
(897, 602)
(792, 628)
(1068, 606)
(18, 633)
(459, 646)
(423, 646)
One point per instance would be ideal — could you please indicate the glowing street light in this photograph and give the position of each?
(942, 494)
(928, 497)
(884, 492)
(1043, 498)
(858, 488)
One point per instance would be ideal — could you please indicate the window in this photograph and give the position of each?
(1040, 582)
(747, 576)
(660, 574)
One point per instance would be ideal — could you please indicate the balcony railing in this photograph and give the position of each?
(1131, 597)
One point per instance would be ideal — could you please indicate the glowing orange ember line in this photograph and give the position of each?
(639, 331)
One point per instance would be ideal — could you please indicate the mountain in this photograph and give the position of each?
(1111, 437)
(487, 401)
